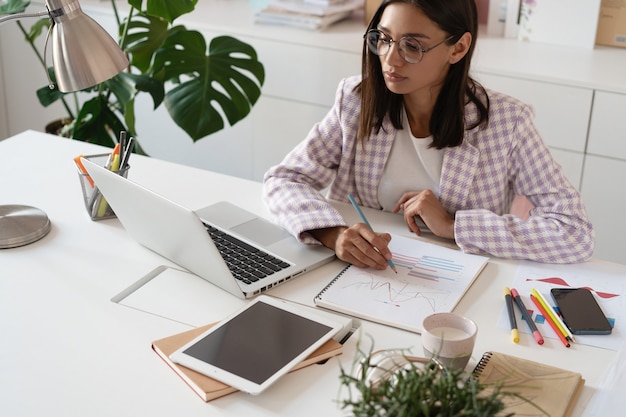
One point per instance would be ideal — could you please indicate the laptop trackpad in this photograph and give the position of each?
(261, 231)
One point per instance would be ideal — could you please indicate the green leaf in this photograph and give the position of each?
(170, 10)
(14, 6)
(137, 4)
(196, 105)
(145, 36)
(129, 116)
(37, 29)
(47, 95)
(147, 84)
(96, 123)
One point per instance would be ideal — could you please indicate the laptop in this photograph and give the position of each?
(185, 237)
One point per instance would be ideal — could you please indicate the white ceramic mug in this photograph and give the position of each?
(450, 338)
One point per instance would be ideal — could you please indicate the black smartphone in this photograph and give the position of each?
(580, 311)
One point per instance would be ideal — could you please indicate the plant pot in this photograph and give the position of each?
(57, 127)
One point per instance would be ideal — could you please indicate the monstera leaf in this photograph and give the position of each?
(213, 83)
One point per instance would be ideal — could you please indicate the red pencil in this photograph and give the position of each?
(549, 320)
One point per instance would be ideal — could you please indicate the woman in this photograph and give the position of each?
(416, 134)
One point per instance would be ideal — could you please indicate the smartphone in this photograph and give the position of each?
(580, 311)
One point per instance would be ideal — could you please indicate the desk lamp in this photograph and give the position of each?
(83, 55)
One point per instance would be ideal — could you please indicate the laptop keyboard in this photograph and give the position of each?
(247, 263)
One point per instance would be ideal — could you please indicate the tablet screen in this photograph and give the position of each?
(258, 342)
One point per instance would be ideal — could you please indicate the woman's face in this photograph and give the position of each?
(425, 77)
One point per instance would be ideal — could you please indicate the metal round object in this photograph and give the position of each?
(21, 225)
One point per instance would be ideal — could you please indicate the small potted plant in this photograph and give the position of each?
(196, 83)
(388, 383)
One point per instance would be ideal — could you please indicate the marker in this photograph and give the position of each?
(127, 152)
(509, 308)
(364, 219)
(550, 321)
(555, 317)
(83, 170)
(114, 166)
(529, 320)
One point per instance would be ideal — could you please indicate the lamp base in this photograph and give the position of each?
(21, 225)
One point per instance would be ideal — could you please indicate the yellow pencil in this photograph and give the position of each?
(115, 165)
(555, 317)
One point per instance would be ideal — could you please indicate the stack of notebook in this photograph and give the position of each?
(307, 14)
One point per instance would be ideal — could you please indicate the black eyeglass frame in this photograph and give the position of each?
(389, 40)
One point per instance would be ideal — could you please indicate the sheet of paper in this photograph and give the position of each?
(607, 282)
(180, 296)
(609, 395)
(430, 279)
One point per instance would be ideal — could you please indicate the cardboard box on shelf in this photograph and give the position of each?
(612, 23)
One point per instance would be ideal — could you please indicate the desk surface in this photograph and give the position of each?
(68, 350)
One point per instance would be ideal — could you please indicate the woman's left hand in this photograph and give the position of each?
(425, 205)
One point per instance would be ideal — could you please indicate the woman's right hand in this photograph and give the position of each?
(358, 245)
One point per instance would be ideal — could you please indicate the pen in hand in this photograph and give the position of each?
(364, 219)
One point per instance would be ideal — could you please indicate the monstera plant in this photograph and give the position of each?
(196, 83)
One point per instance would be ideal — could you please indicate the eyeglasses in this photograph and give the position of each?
(409, 48)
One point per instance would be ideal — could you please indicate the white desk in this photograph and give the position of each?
(67, 350)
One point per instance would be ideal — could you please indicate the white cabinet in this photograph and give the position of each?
(604, 191)
(607, 133)
(604, 176)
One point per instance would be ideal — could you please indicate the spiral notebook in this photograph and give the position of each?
(540, 390)
(430, 279)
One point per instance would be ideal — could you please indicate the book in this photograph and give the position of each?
(304, 6)
(539, 389)
(273, 15)
(430, 279)
(208, 388)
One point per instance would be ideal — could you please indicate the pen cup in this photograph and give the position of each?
(96, 205)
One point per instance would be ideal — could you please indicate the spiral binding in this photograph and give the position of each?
(319, 295)
(482, 363)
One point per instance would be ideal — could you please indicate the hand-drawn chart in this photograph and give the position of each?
(430, 279)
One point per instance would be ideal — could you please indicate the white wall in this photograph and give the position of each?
(23, 75)
(4, 129)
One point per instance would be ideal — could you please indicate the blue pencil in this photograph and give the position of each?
(364, 219)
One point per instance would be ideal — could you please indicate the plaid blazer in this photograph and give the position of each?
(478, 182)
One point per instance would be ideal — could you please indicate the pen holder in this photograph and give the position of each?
(95, 203)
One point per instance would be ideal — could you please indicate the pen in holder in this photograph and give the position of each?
(95, 203)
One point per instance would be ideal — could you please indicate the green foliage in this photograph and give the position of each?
(419, 391)
(13, 6)
(173, 65)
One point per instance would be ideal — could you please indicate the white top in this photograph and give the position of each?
(411, 166)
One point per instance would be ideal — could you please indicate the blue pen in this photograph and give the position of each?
(364, 219)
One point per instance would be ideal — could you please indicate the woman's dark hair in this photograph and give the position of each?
(447, 124)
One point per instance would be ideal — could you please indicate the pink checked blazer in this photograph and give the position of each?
(478, 182)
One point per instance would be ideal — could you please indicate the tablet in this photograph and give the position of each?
(252, 348)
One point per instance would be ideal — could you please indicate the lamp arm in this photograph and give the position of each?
(19, 16)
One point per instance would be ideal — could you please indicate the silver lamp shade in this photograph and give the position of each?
(83, 53)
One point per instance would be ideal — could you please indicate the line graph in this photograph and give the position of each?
(429, 267)
(430, 279)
